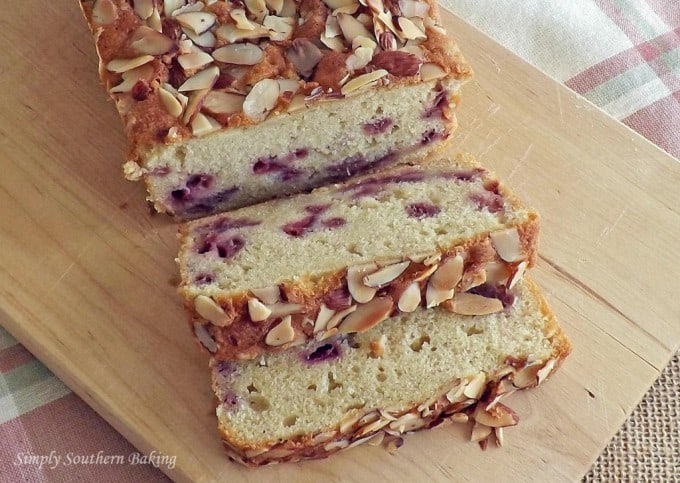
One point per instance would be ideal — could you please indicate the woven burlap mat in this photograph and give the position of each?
(647, 447)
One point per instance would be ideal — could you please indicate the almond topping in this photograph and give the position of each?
(500, 416)
(410, 298)
(352, 28)
(282, 333)
(210, 310)
(193, 104)
(410, 30)
(261, 99)
(242, 22)
(543, 373)
(194, 60)
(408, 422)
(425, 274)
(333, 43)
(123, 65)
(335, 4)
(459, 418)
(202, 124)
(269, 295)
(338, 317)
(282, 309)
(367, 315)
(257, 7)
(204, 79)
(355, 282)
(322, 319)
(456, 394)
(376, 439)
(104, 12)
(414, 8)
(218, 102)
(304, 55)
(480, 432)
(385, 275)
(360, 58)
(258, 311)
(430, 71)
(199, 22)
(332, 27)
(507, 244)
(288, 85)
(143, 8)
(281, 28)
(204, 337)
(475, 387)
(435, 296)
(448, 274)
(364, 80)
(169, 6)
(472, 304)
(206, 39)
(275, 5)
(526, 377)
(472, 279)
(170, 102)
(241, 54)
(131, 77)
(517, 274)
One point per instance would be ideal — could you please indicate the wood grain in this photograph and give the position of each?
(87, 275)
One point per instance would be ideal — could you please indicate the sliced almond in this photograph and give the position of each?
(170, 102)
(348, 423)
(430, 71)
(289, 9)
(425, 274)
(409, 29)
(204, 79)
(414, 8)
(448, 274)
(131, 77)
(218, 102)
(124, 65)
(517, 274)
(281, 28)
(385, 275)
(275, 5)
(545, 371)
(336, 445)
(473, 304)
(367, 315)
(352, 28)
(333, 43)
(475, 387)
(206, 39)
(241, 54)
(497, 272)
(269, 295)
(459, 418)
(204, 337)
(143, 8)
(194, 60)
(261, 99)
(257, 310)
(304, 55)
(480, 432)
(239, 17)
(376, 439)
(332, 27)
(193, 104)
(364, 80)
(526, 377)
(202, 125)
(169, 6)
(507, 244)
(408, 422)
(435, 296)
(322, 319)
(146, 40)
(500, 416)
(355, 282)
(104, 12)
(207, 308)
(198, 22)
(339, 316)
(335, 4)
(361, 57)
(456, 394)
(372, 427)
(410, 298)
(472, 279)
(500, 437)
(154, 21)
(282, 309)
(288, 85)
(257, 7)
(281, 334)
(184, 7)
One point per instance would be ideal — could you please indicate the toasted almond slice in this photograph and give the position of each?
(204, 79)
(282, 309)
(545, 371)
(414, 8)
(500, 416)
(361, 41)
(143, 8)
(257, 310)
(361, 57)
(459, 418)
(435, 296)
(282, 333)
(104, 12)
(425, 274)
(410, 298)
(206, 39)
(430, 71)
(288, 85)
(473, 304)
(472, 279)
(169, 6)
(448, 274)
(275, 5)
(507, 244)
(268, 295)
(257, 7)
(385, 275)
(239, 17)
(241, 54)
(457, 393)
(352, 28)
(333, 43)
(199, 22)
(363, 80)
(335, 4)
(194, 60)
(186, 8)
(332, 27)
(500, 437)
(261, 99)
(289, 9)
(204, 337)
(202, 125)
(480, 432)
(146, 40)
(322, 319)
(376, 439)
(348, 423)
(169, 102)
(526, 377)
(281, 28)
(432, 259)
(355, 282)
(218, 102)
(193, 104)
(338, 317)
(372, 427)
(367, 315)
(475, 387)
(304, 55)
(410, 30)
(124, 65)
(210, 310)
(497, 272)
(517, 274)
(408, 422)
(131, 77)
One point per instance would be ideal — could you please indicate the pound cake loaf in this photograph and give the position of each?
(415, 371)
(345, 257)
(227, 103)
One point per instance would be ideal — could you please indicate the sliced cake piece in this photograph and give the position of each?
(413, 372)
(229, 103)
(345, 257)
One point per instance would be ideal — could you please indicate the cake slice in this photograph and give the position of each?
(345, 257)
(415, 371)
(229, 103)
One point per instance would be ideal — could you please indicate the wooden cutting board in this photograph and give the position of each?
(87, 276)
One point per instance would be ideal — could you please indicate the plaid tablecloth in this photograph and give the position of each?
(623, 55)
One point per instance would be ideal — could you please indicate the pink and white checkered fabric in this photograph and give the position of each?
(623, 55)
